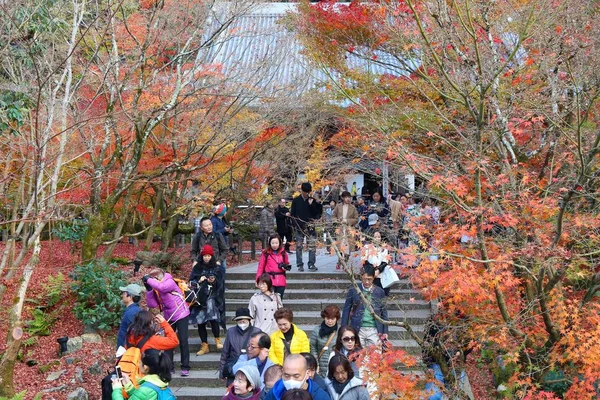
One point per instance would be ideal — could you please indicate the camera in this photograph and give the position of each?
(284, 266)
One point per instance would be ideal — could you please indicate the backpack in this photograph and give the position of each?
(163, 393)
(189, 295)
(130, 361)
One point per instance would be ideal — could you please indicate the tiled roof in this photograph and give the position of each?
(264, 57)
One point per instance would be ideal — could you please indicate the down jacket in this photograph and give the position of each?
(168, 297)
(142, 392)
(355, 390)
(299, 344)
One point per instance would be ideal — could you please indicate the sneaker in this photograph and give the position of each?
(312, 268)
(185, 372)
(300, 268)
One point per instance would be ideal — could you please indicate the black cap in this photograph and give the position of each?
(242, 313)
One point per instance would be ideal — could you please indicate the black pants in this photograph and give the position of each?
(288, 239)
(214, 326)
(377, 282)
(280, 290)
(181, 327)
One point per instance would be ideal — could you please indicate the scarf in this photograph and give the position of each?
(339, 387)
(325, 331)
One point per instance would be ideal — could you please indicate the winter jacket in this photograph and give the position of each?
(232, 396)
(157, 342)
(266, 226)
(168, 297)
(233, 346)
(303, 213)
(282, 220)
(262, 310)
(299, 344)
(269, 263)
(354, 309)
(130, 312)
(316, 345)
(142, 392)
(215, 240)
(315, 391)
(243, 362)
(355, 390)
(219, 225)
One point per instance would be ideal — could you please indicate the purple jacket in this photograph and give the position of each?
(171, 301)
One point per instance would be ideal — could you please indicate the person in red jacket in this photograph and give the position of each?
(274, 261)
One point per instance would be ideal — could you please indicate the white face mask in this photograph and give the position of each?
(292, 384)
(243, 325)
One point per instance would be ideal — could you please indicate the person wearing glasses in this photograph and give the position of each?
(370, 330)
(348, 345)
(257, 355)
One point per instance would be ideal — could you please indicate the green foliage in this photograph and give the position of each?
(556, 382)
(98, 301)
(41, 323)
(245, 231)
(71, 232)
(14, 109)
(54, 289)
(18, 396)
(120, 260)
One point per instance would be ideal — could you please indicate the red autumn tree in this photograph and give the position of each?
(495, 107)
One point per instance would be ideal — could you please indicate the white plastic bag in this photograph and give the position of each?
(388, 277)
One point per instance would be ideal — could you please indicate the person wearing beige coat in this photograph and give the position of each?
(345, 217)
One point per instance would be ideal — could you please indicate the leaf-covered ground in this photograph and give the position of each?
(56, 257)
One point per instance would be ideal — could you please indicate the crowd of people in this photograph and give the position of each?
(265, 355)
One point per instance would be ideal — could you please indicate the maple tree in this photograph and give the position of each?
(494, 105)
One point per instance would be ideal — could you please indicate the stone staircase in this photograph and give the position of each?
(307, 293)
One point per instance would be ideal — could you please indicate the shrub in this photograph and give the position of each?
(41, 323)
(98, 301)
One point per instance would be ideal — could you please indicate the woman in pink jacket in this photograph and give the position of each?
(274, 261)
(164, 293)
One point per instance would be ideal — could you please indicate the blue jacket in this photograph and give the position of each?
(218, 225)
(128, 315)
(354, 306)
(315, 391)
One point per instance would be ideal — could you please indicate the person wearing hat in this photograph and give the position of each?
(208, 278)
(246, 385)
(130, 297)
(236, 343)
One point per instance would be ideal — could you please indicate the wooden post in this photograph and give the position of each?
(253, 248)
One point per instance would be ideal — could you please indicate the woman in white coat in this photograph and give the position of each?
(264, 304)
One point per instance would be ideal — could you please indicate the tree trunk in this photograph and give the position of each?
(167, 236)
(93, 238)
(119, 228)
(14, 339)
(155, 213)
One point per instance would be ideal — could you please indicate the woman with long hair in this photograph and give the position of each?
(275, 262)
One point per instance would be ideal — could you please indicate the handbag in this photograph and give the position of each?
(388, 277)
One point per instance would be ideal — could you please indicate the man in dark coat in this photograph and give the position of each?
(358, 315)
(305, 212)
(220, 247)
(284, 226)
(236, 343)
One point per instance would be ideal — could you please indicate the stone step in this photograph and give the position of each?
(195, 393)
(395, 332)
(291, 294)
(317, 305)
(202, 378)
(291, 275)
(332, 284)
(311, 317)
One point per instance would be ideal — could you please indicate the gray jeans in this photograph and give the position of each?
(311, 241)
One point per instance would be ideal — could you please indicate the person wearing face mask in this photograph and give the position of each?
(236, 343)
(343, 385)
(323, 337)
(359, 316)
(295, 376)
(289, 339)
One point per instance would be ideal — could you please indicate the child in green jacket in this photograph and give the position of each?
(156, 366)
